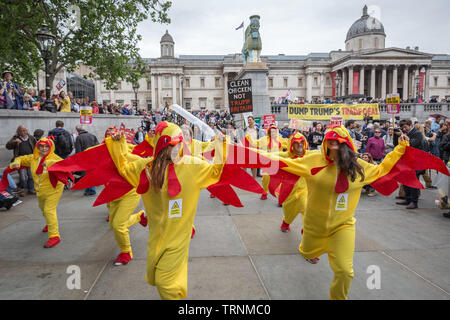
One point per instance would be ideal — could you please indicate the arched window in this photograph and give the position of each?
(376, 43)
(360, 44)
(348, 46)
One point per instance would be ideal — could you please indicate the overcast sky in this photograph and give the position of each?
(295, 27)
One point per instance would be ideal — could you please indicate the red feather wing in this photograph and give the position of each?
(404, 171)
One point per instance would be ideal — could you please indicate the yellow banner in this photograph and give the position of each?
(84, 112)
(326, 111)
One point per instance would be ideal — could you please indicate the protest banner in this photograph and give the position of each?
(300, 125)
(326, 111)
(85, 115)
(268, 120)
(240, 96)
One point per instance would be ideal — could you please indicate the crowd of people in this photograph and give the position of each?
(326, 169)
(357, 100)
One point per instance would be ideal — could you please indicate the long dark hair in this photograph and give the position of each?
(347, 161)
(159, 166)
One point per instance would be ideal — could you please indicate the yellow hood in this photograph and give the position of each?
(166, 133)
(297, 137)
(339, 133)
(47, 141)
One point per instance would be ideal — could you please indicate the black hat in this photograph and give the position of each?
(5, 72)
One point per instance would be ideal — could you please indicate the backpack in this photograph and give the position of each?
(63, 144)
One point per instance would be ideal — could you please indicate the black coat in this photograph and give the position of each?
(416, 139)
(85, 140)
(444, 148)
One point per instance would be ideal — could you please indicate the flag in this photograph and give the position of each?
(241, 26)
(288, 94)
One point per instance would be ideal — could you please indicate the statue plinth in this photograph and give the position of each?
(255, 65)
(257, 71)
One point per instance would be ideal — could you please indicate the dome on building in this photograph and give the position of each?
(366, 25)
(167, 37)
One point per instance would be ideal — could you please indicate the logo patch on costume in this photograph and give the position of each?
(175, 208)
(341, 201)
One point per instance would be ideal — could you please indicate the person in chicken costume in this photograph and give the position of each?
(121, 214)
(48, 189)
(272, 142)
(295, 203)
(170, 187)
(334, 177)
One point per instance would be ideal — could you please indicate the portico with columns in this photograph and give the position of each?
(377, 77)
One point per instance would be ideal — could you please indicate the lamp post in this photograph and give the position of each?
(46, 42)
(135, 89)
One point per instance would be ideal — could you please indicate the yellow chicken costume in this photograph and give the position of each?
(295, 203)
(170, 211)
(121, 217)
(172, 208)
(48, 196)
(329, 223)
(269, 144)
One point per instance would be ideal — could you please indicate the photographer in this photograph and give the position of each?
(10, 92)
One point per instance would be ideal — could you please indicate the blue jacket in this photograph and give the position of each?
(18, 96)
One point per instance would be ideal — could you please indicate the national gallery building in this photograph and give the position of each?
(366, 67)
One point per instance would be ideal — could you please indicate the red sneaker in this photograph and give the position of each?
(144, 219)
(52, 242)
(313, 261)
(122, 259)
(211, 195)
(193, 232)
(285, 227)
(107, 218)
(264, 196)
(45, 229)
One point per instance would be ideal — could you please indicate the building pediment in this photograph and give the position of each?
(395, 52)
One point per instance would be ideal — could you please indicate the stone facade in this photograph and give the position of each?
(365, 67)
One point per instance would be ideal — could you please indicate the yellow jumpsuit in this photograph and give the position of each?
(48, 197)
(263, 143)
(329, 223)
(295, 203)
(170, 219)
(121, 215)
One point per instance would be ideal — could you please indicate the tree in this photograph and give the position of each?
(103, 36)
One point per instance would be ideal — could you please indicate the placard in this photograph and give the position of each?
(85, 115)
(240, 96)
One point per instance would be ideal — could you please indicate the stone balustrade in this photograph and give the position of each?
(421, 111)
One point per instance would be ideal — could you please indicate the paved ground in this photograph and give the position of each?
(237, 253)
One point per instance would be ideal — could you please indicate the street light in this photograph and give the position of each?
(135, 89)
(46, 42)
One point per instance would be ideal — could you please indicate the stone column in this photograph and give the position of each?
(309, 86)
(225, 91)
(344, 82)
(427, 84)
(350, 80)
(394, 79)
(322, 86)
(361, 80)
(174, 89)
(405, 83)
(383, 83)
(160, 97)
(372, 82)
(415, 84)
(153, 88)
